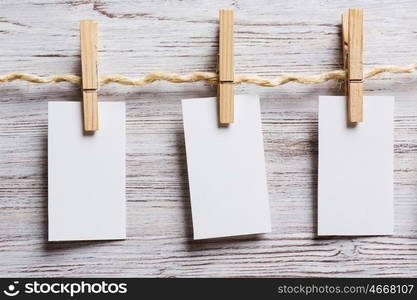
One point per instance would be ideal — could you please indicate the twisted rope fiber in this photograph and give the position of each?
(209, 77)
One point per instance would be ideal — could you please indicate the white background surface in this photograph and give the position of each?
(136, 37)
(86, 173)
(355, 189)
(226, 169)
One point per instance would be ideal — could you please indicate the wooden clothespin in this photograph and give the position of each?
(352, 36)
(89, 39)
(226, 89)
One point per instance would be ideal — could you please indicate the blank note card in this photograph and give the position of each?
(226, 169)
(86, 173)
(355, 188)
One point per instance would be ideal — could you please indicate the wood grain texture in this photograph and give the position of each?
(137, 37)
(226, 46)
(88, 45)
(226, 98)
(90, 111)
(226, 89)
(355, 64)
(355, 102)
(355, 44)
(89, 74)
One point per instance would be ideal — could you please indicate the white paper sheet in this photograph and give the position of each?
(226, 169)
(86, 173)
(355, 182)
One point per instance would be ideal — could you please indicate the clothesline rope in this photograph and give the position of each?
(209, 77)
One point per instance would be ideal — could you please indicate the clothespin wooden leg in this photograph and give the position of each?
(352, 36)
(355, 102)
(226, 91)
(345, 47)
(89, 39)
